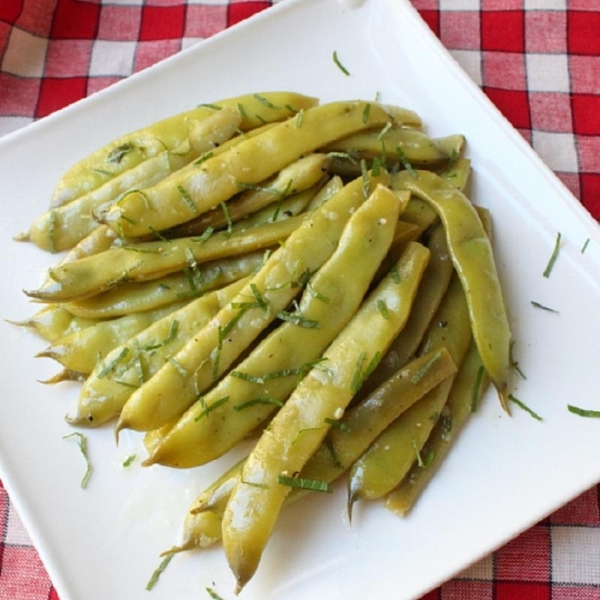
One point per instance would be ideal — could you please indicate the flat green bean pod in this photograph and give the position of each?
(136, 297)
(429, 296)
(386, 462)
(343, 445)
(418, 148)
(301, 424)
(133, 148)
(300, 175)
(127, 366)
(202, 361)
(151, 260)
(473, 259)
(467, 389)
(80, 351)
(63, 227)
(198, 188)
(54, 322)
(264, 380)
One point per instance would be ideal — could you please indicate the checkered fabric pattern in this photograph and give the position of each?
(538, 61)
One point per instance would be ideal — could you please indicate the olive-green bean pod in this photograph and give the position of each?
(126, 367)
(429, 296)
(468, 388)
(359, 426)
(300, 175)
(272, 370)
(381, 468)
(131, 149)
(65, 375)
(81, 351)
(98, 240)
(458, 173)
(473, 259)
(212, 350)
(136, 297)
(404, 117)
(54, 322)
(329, 189)
(198, 188)
(285, 208)
(151, 260)
(301, 424)
(63, 227)
(418, 148)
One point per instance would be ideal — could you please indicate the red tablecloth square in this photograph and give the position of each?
(162, 22)
(503, 70)
(583, 28)
(54, 93)
(68, 58)
(503, 31)
(75, 20)
(204, 21)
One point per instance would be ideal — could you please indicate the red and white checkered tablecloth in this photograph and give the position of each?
(539, 62)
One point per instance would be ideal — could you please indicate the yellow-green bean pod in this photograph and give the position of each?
(381, 468)
(300, 175)
(131, 149)
(431, 291)
(81, 351)
(198, 188)
(417, 147)
(473, 259)
(359, 426)
(467, 389)
(301, 424)
(136, 297)
(126, 367)
(202, 361)
(63, 227)
(264, 380)
(151, 260)
(54, 322)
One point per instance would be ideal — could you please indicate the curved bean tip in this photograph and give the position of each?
(24, 236)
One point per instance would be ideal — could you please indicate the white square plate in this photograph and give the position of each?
(504, 474)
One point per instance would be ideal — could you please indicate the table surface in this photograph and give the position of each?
(537, 60)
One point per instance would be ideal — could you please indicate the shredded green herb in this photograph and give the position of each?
(204, 157)
(553, 256)
(339, 65)
(83, 447)
(337, 424)
(213, 594)
(404, 160)
(315, 294)
(179, 367)
(187, 198)
(242, 110)
(227, 216)
(297, 319)
(418, 453)
(158, 234)
(343, 155)
(361, 376)
(416, 378)
(159, 570)
(366, 182)
(208, 408)
(117, 154)
(205, 235)
(260, 400)
(209, 105)
(384, 131)
(305, 484)
(299, 118)
(383, 309)
(129, 460)
(110, 367)
(523, 406)
(585, 245)
(584, 412)
(547, 308)
(365, 113)
(266, 102)
(476, 388)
